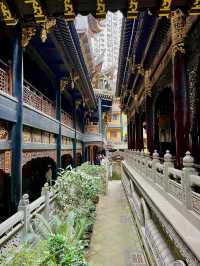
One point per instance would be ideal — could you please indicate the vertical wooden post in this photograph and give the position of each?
(137, 135)
(181, 106)
(133, 135)
(17, 130)
(58, 117)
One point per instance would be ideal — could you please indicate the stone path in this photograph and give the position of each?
(115, 240)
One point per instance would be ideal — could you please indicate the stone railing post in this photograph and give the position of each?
(142, 163)
(147, 158)
(45, 193)
(24, 206)
(167, 164)
(188, 169)
(154, 162)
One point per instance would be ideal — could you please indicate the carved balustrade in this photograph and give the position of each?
(37, 100)
(15, 229)
(149, 180)
(167, 177)
(66, 119)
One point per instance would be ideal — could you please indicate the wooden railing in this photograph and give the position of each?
(4, 80)
(66, 119)
(34, 98)
(37, 100)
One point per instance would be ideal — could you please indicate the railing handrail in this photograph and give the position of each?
(38, 91)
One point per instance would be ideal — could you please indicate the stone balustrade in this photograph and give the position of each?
(16, 228)
(181, 184)
(165, 202)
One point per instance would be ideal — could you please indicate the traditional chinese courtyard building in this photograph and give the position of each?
(54, 109)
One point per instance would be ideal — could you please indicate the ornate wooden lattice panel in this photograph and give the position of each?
(66, 119)
(5, 161)
(3, 81)
(37, 100)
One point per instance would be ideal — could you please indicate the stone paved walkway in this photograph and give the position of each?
(115, 240)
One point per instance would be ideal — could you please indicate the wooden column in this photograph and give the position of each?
(181, 106)
(58, 117)
(131, 132)
(17, 130)
(133, 135)
(149, 124)
(128, 135)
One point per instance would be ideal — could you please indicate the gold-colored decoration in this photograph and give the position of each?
(132, 9)
(48, 24)
(37, 9)
(6, 13)
(63, 83)
(101, 9)
(147, 82)
(136, 103)
(195, 10)
(140, 69)
(27, 34)
(3, 132)
(178, 31)
(165, 8)
(69, 10)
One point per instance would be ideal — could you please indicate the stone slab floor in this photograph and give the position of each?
(115, 240)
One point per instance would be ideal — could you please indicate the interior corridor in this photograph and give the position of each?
(115, 240)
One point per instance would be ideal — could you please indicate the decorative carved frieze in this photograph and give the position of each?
(7, 15)
(69, 10)
(165, 8)
(101, 9)
(178, 31)
(147, 82)
(27, 34)
(132, 9)
(195, 10)
(37, 10)
(46, 27)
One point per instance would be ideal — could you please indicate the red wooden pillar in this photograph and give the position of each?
(149, 124)
(137, 131)
(181, 106)
(133, 135)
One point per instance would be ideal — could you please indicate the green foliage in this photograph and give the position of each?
(115, 175)
(63, 241)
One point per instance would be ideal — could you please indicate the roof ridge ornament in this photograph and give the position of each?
(7, 15)
(37, 10)
(100, 9)
(69, 10)
(132, 9)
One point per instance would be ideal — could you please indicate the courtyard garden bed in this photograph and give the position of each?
(64, 239)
